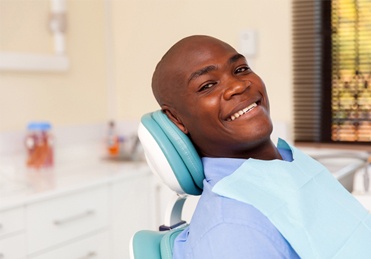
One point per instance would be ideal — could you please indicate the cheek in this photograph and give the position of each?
(210, 108)
(204, 108)
(264, 93)
(267, 103)
(203, 120)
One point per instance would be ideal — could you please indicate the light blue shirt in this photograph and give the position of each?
(225, 228)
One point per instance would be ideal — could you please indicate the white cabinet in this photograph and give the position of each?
(12, 237)
(13, 247)
(131, 211)
(95, 219)
(11, 221)
(64, 218)
(92, 247)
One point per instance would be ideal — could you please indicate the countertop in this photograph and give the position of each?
(20, 185)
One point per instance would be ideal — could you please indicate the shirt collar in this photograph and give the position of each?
(216, 169)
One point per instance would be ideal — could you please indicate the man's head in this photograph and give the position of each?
(208, 90)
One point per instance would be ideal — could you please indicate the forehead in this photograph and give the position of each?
(194, 54)
(185, 58)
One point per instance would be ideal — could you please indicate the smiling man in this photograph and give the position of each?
(209, 91)
(259, 200)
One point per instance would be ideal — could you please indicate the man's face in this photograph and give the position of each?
(222, 104)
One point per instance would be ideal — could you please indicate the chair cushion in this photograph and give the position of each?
(167, 242)
(146, 244)
(159, 135)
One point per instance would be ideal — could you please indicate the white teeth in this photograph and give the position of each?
(242, 112)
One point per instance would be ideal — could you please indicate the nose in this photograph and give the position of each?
(235, 86)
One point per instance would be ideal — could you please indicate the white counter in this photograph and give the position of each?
(80, 161)
(28, 186)
(86, 205)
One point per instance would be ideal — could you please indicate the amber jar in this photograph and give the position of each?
(39, 144)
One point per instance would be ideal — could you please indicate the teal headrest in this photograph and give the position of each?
(171, 154)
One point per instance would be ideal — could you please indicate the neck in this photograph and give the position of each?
(262, 150)
(265, 151)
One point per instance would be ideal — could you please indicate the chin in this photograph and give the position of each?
(263, 134)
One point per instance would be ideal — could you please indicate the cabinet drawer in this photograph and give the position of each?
(94, 247)
(60, 219)
(131, 212)
(13, 247)
(11, 221)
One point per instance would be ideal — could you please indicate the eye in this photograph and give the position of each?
(242, 69)
(206, 86)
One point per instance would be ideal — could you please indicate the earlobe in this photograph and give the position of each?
(175, 120)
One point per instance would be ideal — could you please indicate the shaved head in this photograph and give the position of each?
(169, 81)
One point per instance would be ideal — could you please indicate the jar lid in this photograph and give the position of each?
(39, 126)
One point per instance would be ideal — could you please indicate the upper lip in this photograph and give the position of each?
(241, 106)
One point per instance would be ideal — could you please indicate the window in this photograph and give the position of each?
(332, 71)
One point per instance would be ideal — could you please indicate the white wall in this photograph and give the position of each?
(138, 33)
(76, 96)
(144, 30)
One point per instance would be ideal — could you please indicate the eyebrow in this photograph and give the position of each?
(236, 57)
(201, 72)
(207, 69)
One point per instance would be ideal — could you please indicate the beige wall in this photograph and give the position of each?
(140, 32)
(144, 30)
(77, 96)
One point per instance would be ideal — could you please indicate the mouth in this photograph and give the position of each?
(243, 111)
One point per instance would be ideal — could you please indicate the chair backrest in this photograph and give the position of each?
(171, 155)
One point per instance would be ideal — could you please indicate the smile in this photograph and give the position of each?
(242, 112)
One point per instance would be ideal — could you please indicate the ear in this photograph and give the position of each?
(174, 118)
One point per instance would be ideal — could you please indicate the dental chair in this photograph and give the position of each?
(172, 157)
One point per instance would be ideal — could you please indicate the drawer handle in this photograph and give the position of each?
(89, 255)
(85, 214)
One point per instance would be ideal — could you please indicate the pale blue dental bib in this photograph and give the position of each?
(311, 209)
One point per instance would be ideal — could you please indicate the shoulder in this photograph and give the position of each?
(231, 229)
(214, 210)
(230, 240)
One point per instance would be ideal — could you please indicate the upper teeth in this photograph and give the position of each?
(242, 112)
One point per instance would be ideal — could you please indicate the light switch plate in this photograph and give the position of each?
(248, 42)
